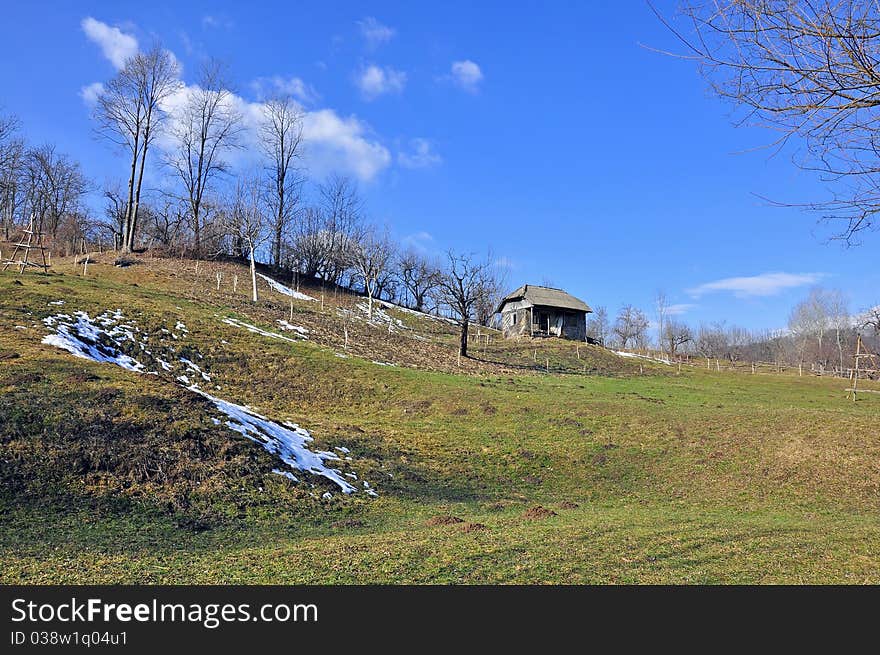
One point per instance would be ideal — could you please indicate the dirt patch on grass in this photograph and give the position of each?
(533, 479)
(567, 504)
(443, 519)
(473, 527)
(538, 513)
(599, 460)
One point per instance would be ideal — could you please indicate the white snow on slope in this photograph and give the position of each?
(407, 310)
(83, 338)
(288, 443)
(253, 328)
(638, 356)
(303, 332)
(100, 339)
(287, 291)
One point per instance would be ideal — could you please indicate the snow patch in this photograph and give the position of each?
(303, 332)
(280, 288)
(253, 328)
(101, 339)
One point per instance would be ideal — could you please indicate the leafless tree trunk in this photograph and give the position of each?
(463, 283)
(281, 139)
(129, 113)
(206, 128)
(372, 256)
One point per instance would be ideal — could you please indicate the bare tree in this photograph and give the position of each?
(598, 326)
(463, 283)
(840, 319)
(281, 137)
(661, 306)
(205, 129)
(419, 277)
(807, 70)
(372, 257)
(631, 325)
(243, 218)
(53, 187)
(130, 114)
(675, 335)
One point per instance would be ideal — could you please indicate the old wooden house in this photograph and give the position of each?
(533, 311)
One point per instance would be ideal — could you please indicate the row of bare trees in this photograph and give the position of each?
(40, 182)
(821, 334)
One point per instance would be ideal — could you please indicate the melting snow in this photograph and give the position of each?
(253, 328)
(303, 332)
(100, 339)
(280, 288)
(662, 360)
(57, 302)
(82, 338)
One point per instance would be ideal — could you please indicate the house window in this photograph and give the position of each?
(513, 319)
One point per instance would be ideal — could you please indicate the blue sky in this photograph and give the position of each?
(543, 130)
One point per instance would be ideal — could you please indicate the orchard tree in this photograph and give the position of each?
(130, 113)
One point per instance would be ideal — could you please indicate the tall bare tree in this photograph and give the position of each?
(808, 70)
(205, 129)
(281, 137)
(130, 114)
(464, 282)
(372, 257)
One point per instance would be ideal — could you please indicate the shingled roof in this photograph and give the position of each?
(546, 297)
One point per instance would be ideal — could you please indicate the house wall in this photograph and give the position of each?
(517, 316)
(515, 320)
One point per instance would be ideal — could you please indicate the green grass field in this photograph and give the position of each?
(659, 477)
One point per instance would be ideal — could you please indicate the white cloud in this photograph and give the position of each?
(265, 87)
(332, 143)
(90, 93)
(467, 75)
(765, 284)
(374, 81)
(335, 143)
(422, 155)
(679, 309)
(418, 240)
(116, 45)
(374, 32)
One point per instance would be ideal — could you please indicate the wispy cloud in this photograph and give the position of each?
(467, 75)
(763, 285)
(418, 240)
(421, 155)
(91, 92)
(374, 32)
(116, 45)
(374, 81)
(679, 309)
(266, 87)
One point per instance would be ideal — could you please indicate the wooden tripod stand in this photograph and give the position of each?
(32, 239)
(861, 354)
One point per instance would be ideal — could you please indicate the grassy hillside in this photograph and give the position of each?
(605, 470)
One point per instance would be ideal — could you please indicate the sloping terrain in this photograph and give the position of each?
(211, 442)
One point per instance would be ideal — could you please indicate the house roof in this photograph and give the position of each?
(546, 297)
